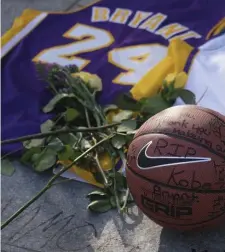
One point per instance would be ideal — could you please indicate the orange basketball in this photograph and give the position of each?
(176, 168)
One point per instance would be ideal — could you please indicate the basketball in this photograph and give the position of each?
(176, 168)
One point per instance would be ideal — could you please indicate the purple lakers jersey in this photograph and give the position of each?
(118, 40)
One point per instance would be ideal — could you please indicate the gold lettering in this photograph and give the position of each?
(138, 18)
(171, 29)
(187, 35)
(100, 14)
(120, 16)
(152, 23)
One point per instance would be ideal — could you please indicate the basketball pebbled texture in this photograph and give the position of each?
(183, 196)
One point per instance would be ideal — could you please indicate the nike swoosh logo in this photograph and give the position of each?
(145, 162)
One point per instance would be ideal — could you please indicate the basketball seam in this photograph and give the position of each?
(183, 138)
(198, 108)
(212, 114)
(206, 191)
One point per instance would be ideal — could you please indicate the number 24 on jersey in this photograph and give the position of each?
(134, 61)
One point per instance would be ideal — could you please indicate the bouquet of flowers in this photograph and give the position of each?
(87, 139)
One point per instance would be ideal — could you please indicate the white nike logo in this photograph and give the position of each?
(145, 162)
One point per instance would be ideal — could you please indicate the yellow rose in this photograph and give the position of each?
(105, 161)
(92, 79)
(179, 78)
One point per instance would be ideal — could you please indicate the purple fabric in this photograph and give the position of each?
(23, 95)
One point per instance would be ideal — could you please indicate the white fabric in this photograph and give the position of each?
(26, 30)
(207, 75)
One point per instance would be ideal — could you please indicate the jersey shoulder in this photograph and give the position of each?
(19, 24)
(28, 21)
(206, 75)
(21, 27)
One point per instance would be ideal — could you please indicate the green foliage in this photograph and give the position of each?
(59, 98)
(97, 195)
(122, 115)
(72, 68)
(150, 106)
(44, 160)
(68, 153)
(100, 206)
(121, 182)
(7, 168)
(153, 105)
(47, 126)
(126, 102)
(186, 95)
(74, 106)
(27, 155)
(69, 139)
(33, 143)
(71, 114)
(55, 144)
(118, 141)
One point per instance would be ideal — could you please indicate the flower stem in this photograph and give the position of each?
(56, 132)
(125, 200)
(115, 191)
(50, 182)
(106, 182)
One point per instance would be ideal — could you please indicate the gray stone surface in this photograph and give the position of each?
(14, 8)
(59, 221)
(85, 2)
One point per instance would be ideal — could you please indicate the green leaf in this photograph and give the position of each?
(118, 141)
(26, 157)
(153, 105)
(47, 126)
(55, 100)
(170, 87)
(68, 138)
(68, 153)
(75, 155)
(33, 143)
(127, 126)
(71, 114)
(97, 195)
(123, 115)
(120, 180)
(98, 192)
(44, 160)
(7, 167)
(55, 144)
(113, 201)
(100, 206)
(129, 138)
(125, 101)
(186, 95)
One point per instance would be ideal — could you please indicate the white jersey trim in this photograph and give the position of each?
(25, 31)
